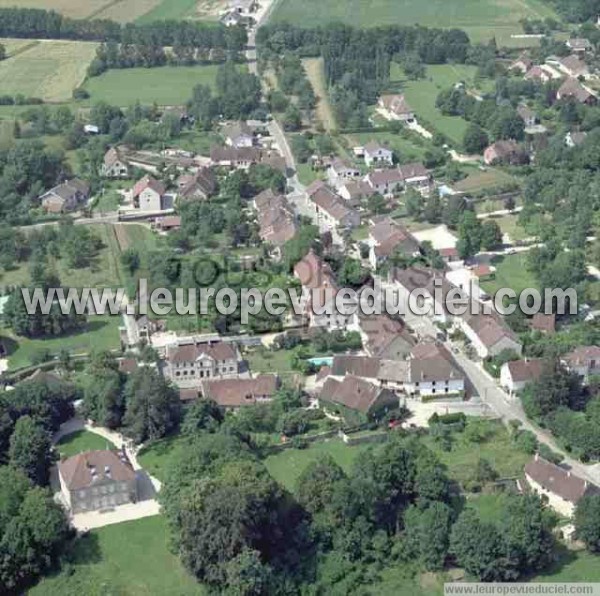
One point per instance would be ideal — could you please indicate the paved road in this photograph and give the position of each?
(511, 409)
(110, 217)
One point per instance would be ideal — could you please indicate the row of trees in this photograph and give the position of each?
(48, 24)
(114, 55)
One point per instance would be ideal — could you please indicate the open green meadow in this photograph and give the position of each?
(128, 559)
(422, 94)
(511, 272)
(478, 180)
(167, 85)
(80, 441)
(287, 465)
(481, 19)
(47, 69)
(100, 333)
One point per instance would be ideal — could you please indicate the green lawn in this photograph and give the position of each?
(287, 465)
(81, 441)
(167, 85)
(264, 360)
(481, 19)
(499, 449)
(488, 506)
(101, 333)
(421, 96)
(156, 458)
(406, 148)
(127, 559)
(511, 272)
(509, 225)
(572, 567)
(478, 180)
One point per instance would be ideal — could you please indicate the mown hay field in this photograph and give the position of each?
(47, 69)
(481, 19)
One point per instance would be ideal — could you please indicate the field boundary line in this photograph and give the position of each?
(25, 48)
(100, 10)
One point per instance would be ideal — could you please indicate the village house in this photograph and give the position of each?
(114, 164)
(331, 210)
(575, 138)
(391, 374)
(539, 74)
(573, 66)
(341, 171)
(167, 223)
(579, 45)
(97, 480)
(235, 158)
(238, 135)
(355, 191)
(68, 196)
(489, 334)
(276, 219)
(432, 372)
(232, 394)
(319, 283)
(383, 337)
(450, 255)
(576, 90)
(516, 374)
(243, 7)
(505, 151)
(523, 63)
(543, 323)
(197, 361)
(583, 360)
(149, 194)
(386, 236)
(415, 175)
(395, 107)
(430, 285)
(561, 487)
(385, 182)
(233, 18)
(529, 117)
(376, 154)
(357, 400)
(197, 186)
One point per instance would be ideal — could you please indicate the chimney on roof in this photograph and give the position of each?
(568, 473)
(537, 456)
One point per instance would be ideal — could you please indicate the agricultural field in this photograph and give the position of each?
(170, 9)
(47, 69)
(167, 85)
(80, 441)
(126, 11)
(100, 333)
(422, 94)
(130, 558)
(481, 19)
(75, 9)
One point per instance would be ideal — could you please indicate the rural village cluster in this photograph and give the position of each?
(299, 296)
